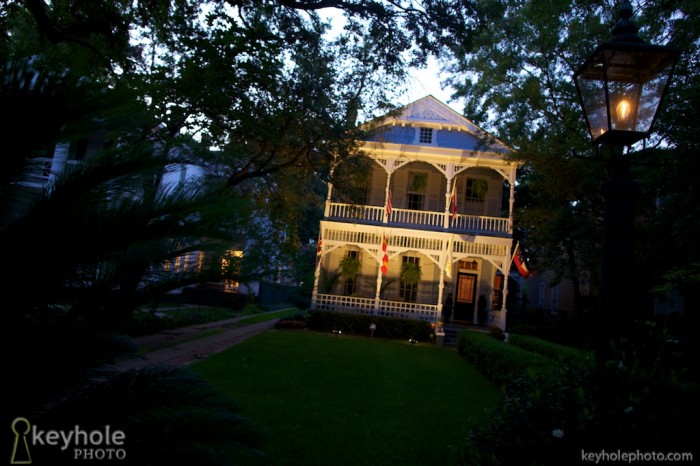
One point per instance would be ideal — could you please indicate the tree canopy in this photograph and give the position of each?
(517, 82)
(259, 94)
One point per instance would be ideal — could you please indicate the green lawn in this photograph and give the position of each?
(328, 400)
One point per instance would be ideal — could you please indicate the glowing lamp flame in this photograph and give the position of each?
(623, 109)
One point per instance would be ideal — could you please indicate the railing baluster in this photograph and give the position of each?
(374, 214)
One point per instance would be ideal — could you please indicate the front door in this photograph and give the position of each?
(466, 294)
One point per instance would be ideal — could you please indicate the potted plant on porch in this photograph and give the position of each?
(350, 267)
(411, 273)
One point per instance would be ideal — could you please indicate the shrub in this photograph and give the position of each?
(169, 416)
(291, 324)
(499, 361)
(358, 324)
(644, 398)
(497, 333)
(561, 353)
(295, 321)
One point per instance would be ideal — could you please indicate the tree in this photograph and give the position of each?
(253, 93)
(519, 86)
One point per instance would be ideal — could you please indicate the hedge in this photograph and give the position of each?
(561, 353)
(498, 361)
(358, 324)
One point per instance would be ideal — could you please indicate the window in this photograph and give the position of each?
(468, 265)
(555, 299)
(415, 192)
(476, 189)
(540, 299)
(350, 287)
(425, 136)
(409, 291)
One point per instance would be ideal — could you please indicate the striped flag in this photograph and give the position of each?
(520, 262)
(385, 258)
(453, 200)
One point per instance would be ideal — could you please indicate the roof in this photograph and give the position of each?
(429, 112)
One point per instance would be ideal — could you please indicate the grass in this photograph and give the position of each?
(169, 318)
(322, 399)
(268, 316)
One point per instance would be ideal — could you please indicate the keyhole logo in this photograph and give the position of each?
(20, 449)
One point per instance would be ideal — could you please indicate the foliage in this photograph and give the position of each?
(350, 267)
(146, 323)
(479, 188)
(254, 97)
(411, 273)
(646, 396)
(499, 361)
(167, 415)
(419, 182)
(358, 324)
(328, 281)
(561, 353)
(517, 83)
(496, 332)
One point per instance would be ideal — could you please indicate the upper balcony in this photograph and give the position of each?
(476, 201)
(420, 220)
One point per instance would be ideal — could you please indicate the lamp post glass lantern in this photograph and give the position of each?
(621, 85)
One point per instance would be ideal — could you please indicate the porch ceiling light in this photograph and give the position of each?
(621, 85)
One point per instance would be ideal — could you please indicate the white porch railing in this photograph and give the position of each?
(351, 304)
(478, 223)
(354, 212)
(418, 218)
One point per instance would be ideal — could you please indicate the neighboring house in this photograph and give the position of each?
(555, 301)
(552, 301)
(440, 196)
(43, 172)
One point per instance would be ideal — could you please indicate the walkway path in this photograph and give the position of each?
(182, 346)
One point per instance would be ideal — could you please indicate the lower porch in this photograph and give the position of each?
(376, 307)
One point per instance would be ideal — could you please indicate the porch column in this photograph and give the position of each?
(317, 275)
(448, 192)
(387, 195)
(441, 289)
(377, 297)
(327, 210)
(380, 254)
(511, 200)
(504, 310)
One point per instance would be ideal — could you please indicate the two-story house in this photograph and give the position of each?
(440, 199)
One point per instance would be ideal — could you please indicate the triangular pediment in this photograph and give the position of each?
(431, 113)
(429, 110)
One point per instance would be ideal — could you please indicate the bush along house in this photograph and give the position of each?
(434, 217)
